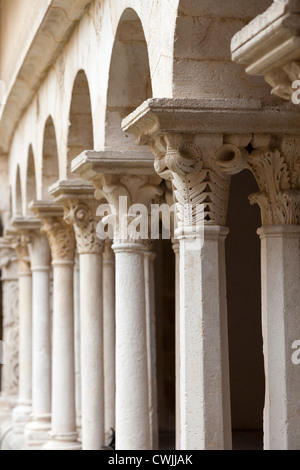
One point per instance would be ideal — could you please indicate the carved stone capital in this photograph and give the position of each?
(277, 171)
(129, 198)
(19, 243)
(37, 243)
(39, 250)
(7, 254)
(61, 238)
(200, 188)
(83, 217)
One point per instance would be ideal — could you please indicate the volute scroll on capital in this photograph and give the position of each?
(197, 179)
(276, 167)
(84, 220)
(129, 199)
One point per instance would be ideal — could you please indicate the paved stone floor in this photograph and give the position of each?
(242, 440)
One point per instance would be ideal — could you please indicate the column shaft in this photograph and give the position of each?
(63, 429)
(21, 413)
(92, 385)
(132, 402)
(280, 254)
(77, 345)
(151, 346)
(204, 374)
(109, 340)
(177, 341)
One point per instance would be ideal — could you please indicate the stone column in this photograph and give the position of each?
(177, 335)
(62, 243)
(77, 343)
(83, 216)
(10, 331)
(276, 169)
(132, 389)
(132, 400)
(22, 412)
(109, 331)
(151, 343)
(201, 193)
(37, 431)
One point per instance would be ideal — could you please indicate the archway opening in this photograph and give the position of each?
(50, 170)
(31, 180)
(18, 195)
(129, 80)
(80, 136)
(243, 276)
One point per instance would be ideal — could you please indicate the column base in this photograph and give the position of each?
(37, 432)
(20, 417)
(5, 410)
(79, 428)
(63, 442)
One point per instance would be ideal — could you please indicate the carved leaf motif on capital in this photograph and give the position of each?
(277, 175)
(124, 193)
(85, 225)
(20, 245)
(194, 184)
(6, 257)
(61, 239)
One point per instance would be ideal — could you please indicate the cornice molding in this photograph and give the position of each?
(157, 116)
(270, 46)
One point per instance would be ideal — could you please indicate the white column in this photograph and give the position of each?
(21, 414)
(276, 170)
(280, 255)
(151, 344)
(63, 427)
(177, 341)
(109, 330)
(132, 389)
(90, 249)
(10, 330)
(204, 372)
(92, 385)
(201, 193)
(77, 343)
(132, 402)
(36, 432)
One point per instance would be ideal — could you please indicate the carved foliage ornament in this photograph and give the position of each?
(130, 199)
(201, 190)
(84, 219)
(278, 178)
(20, 244)
(61, 238)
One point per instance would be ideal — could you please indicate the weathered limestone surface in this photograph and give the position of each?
(107, 104)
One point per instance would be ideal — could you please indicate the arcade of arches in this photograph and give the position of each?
(149, 341)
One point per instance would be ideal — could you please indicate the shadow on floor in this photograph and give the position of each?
(241, 440)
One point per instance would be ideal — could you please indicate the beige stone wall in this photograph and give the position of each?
(131, 49)
(19, 22)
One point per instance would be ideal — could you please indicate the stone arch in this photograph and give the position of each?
(80, 135)
(50, 170)
(18, 209)
(129, 79)
(30, 179)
